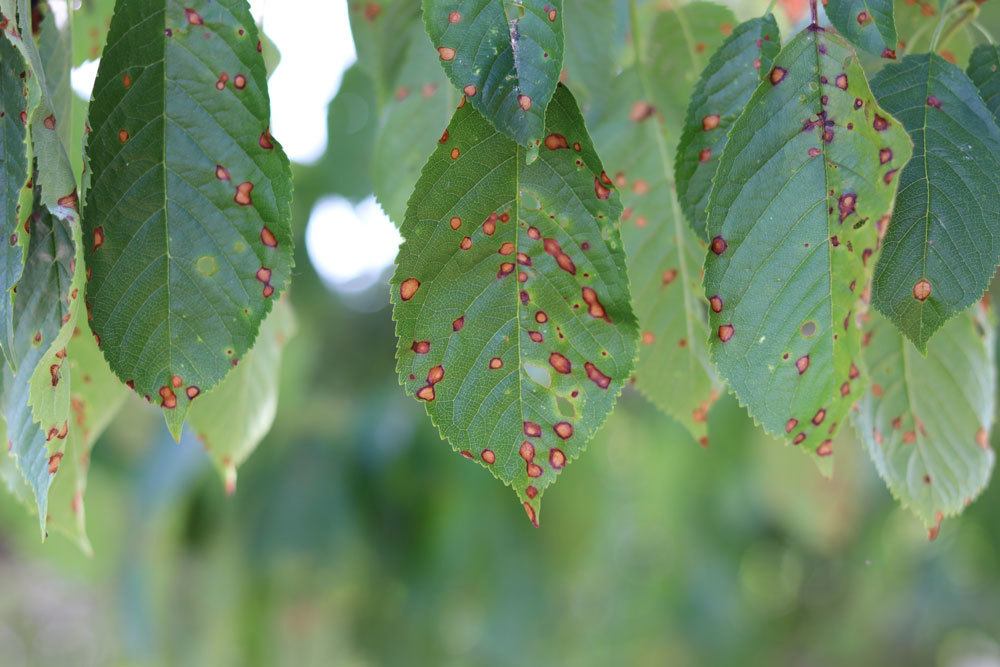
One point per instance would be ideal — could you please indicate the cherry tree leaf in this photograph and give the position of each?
(806, 180)
(916, 21)
(944, 241)
(984, 70)
(15, 165)
(381, 32)
(505, 56)
(411, 122)
(590, 51)
(869, 24)
(187, 218)
(91, 21)
(925, 420)
(232, 419)
(725, 85)
(511, 299)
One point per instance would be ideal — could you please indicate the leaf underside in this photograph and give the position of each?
(869, 24)
(187, 218)
(807, 177)
(925, 420)
(943, 244)
(731, 77)
(505, 56)
(511, 299)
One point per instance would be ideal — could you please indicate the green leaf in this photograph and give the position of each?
(91, 21)
(916, 23)
(984, 70)
(233, 418)
(506, 57)
(45, 303)
(591, 50)
(869, 24)
(511, 299)
(801, 189)
(381, 30)
(14, 174)
(411, 124)
(54, 47)
(725, 85)
(944, 241)
(351, 122)
(926, 419)
(187, 218)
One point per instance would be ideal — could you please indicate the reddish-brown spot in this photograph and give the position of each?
(596, 376)
(465, 243)
(880, 124)
(564, 430)
(533, 470)
(853, 373)
(841, 81)
(718, 245)
(54, 461)
(715, 303)
(704, 155)
(426, 393)
(240, 82)
(983, 438)
(889, 175)
(50, 122)
(127, 79)
(802, 364)
(798, 439)
(819, 416)
(668, 276)
(560, 363)
(555, 142)
(536, 336)
(791, 424)
(265, 140)
(220, 83)
(267, 238)
(564, 261)
(777, 75)
(527, 451)
(469, 90)
(726, 332)
(221, 173)
(408, 288)
(594, 306)
(531, 514)
(167, 397)
(532, 430)
(641, 111)
(922, 289)
(242, 196)
(890, 54)
(933, 102)
(444, 137)
(193, 17)
(884, 155)
(488, 457)
(458, 323)
(863, 17)
(446, 53)
(541, 317)
(556, 458)
(455, 152)
(846, 204)
(825, 448)
(524, 102)
(710, 122)
(192, 392)
(552, 15)
(496, 362)
(421, 346)
(505, 270)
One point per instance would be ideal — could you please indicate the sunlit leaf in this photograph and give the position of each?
(869, 24)
(984, 70)
(232, 419)
(381, 29)
(944, 241)
(725, 85)
(187, 218)
(91, 21)
(804, 183)
(916, 21)
(510, 297)
(504, 56)
(925, 420)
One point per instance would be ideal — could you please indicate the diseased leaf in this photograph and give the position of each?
(15, 161)
(91, 21)
(187, 218)
(590, 52)
(944, 241)
(805, 181)
(511, 299)
(868, 24)
(916, 21)
(505, 56)
(411, 122)
(984, 70)
(54, 47)
(232, 419)
(380, 32)
(725, 85)
(926, 420)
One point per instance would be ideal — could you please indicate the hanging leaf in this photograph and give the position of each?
(187, 218)
(45, 304)
(805, 181)
(233, 418)
(412, 120)
(944, 241)
(916, 21)
(869, 24)
(926, 420)
(14, 174)
(511, 299)
(91, 21)
(725, 85)
(984, 70)
(381, 30)
(504, 56)
(590, 52)
(55, 50)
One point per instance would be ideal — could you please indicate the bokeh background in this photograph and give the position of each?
(357, 537)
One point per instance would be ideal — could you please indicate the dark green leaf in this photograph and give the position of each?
(926, 419)
(505, 56)
(984, 70)
(187, 218)
(511, 298)
(801, 189)
(869, 24)
(944, 241)
(725, 85)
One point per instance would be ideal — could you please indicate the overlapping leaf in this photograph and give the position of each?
(944, 241)
(725, 85)
(505, 56)
(984, 70)
(233, 418)
(381, 30)
(869, 24)
(925, 420)
(91, 20)
(591, 50)
(511, 298)
(187, 217)
(806, 178)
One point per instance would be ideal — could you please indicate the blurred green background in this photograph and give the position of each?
(357, 537)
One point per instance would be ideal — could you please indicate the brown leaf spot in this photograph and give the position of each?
(777, 75)
(221, 173)
(594, 306)
(710, 122)
(192, 392)
(408, 288)
(265, 140)
(496, 363)
(922, 289)
(560, 363)
(193, 17)
(488, 457)
(240, 82)
(446, 53)
(715, 303)
(167, 398)
(841, 81)
(242, 196)
(54, 461)
(846, 204)
(600, 190)
(819, 417)
(825, 448)
(541, 317)
(641, 111)
(524, 102)
(564, 430)
(531, 514)
(455, 152)
(421, 346)
(802, 364)
(791, 424)
(458, 323)
(726, 332)
(880, 124)
(469, 90)
(98, 237)
(704, 155)
(718, 245)
(267, 238)
(555, 142)
(933, 102)
(596, 376)
(556, 458)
